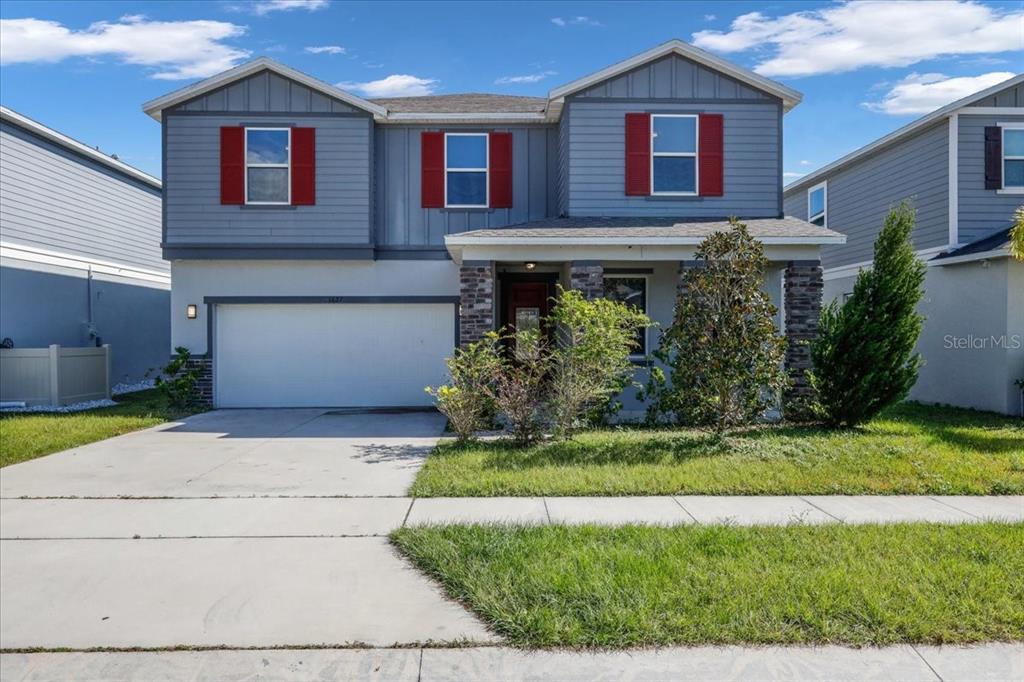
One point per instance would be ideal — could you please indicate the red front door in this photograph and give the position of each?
(528, 305)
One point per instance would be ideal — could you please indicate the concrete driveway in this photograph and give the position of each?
(238, 528)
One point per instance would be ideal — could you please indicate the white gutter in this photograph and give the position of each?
(458, 240)
(74, 145)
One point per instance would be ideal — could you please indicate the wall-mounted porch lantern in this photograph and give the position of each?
(191, 311)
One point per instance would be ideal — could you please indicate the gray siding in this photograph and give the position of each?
(861, 194)
(265, 92)
(673, 77)
(402, 222)
(981, 211)
(596, 178)
(342, 214)
(54, 199)
(1007, 97)
(563, 165)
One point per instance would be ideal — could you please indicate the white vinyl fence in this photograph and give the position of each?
(55, 375)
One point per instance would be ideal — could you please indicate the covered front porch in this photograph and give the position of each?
(508, 276)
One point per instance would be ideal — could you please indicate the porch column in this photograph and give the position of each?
(803, 290)
(587, 276)
(685, 265)
(476, 300)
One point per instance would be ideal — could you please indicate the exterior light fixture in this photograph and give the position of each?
(530, 266)
(191, 311)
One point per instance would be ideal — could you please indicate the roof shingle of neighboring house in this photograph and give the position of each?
(470, 103)
(995, 242)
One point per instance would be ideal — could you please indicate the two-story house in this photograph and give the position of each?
(80, 261)
(329, 250)
(962, 166)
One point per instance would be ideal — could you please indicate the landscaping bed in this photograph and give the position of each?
(26, 436)
(640, 586)
(909, 449)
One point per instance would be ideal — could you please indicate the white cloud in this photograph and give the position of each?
(175, 49)
(575, 21)
(851, 35)
(395, 85)
(709, 17)
(805, 162)
(790, 175)
(527, 78)
(326, 49)
(922, 93)
(262, 7)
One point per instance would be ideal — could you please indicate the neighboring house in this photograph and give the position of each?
(80, 261)
(329, 250)
(962, 166)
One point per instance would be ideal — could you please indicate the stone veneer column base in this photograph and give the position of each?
(803, 290)
(476, 300)
(588, 278)
(204, 384)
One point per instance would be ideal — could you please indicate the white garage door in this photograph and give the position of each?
(331, 355)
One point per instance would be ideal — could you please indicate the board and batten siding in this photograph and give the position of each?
(195, 216)
(860, 196)
(981, 211)
(265, 92)
(402, 222)
(56, 200)
(597, 148)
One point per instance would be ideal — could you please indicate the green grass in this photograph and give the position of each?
(27, 436)
(912, 449)
(640, 586)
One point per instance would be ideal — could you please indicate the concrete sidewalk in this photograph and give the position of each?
(984, 662)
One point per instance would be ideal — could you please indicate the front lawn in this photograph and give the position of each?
(640, 586)
(911, 449)
(27, 436)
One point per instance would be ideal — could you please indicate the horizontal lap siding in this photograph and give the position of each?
(401, 221)
(861, 195)
(53, 199)
(342, 214)
(596, 182)
(981, 211)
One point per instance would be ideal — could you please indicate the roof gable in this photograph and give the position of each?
(155, 107)
(735, 73)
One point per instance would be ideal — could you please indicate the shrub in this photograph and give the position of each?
(723, 352)
(863, 357)
(466, 400)
(178, 383)
(519, 386)
(590, 362)
(1017, 234)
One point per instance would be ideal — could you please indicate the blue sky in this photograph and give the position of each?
(865, 69)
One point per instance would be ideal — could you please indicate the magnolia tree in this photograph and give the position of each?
(723, 352)
(863, 357)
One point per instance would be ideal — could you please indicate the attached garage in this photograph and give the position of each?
(331, 352)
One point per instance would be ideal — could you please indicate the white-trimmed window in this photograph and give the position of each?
(630, 289)
(1013, 157)
(268, 170)
(465, 170)
(674, 143)
(817, 204)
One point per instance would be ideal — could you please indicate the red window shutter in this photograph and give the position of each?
(500, 157)
(303, 166)
(993, 157)
(232, 165)
(638, 154)
(710, 155)
(432, 169)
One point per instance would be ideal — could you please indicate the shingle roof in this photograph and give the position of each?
(469, 103)
(653, 228)
(993, 242)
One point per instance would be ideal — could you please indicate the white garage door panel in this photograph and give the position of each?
(327, 355)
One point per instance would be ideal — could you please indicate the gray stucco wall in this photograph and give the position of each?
(39, 308)
(265, 92)
(194, 214)
(981, 211)
(54, 199)
(402, 222)
(861, 194)
(597, 148)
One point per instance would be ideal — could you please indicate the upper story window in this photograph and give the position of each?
(465, 170)
(268, 165)
(817, 205)
(674, 154)
(1013, 157)
(632, 291)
